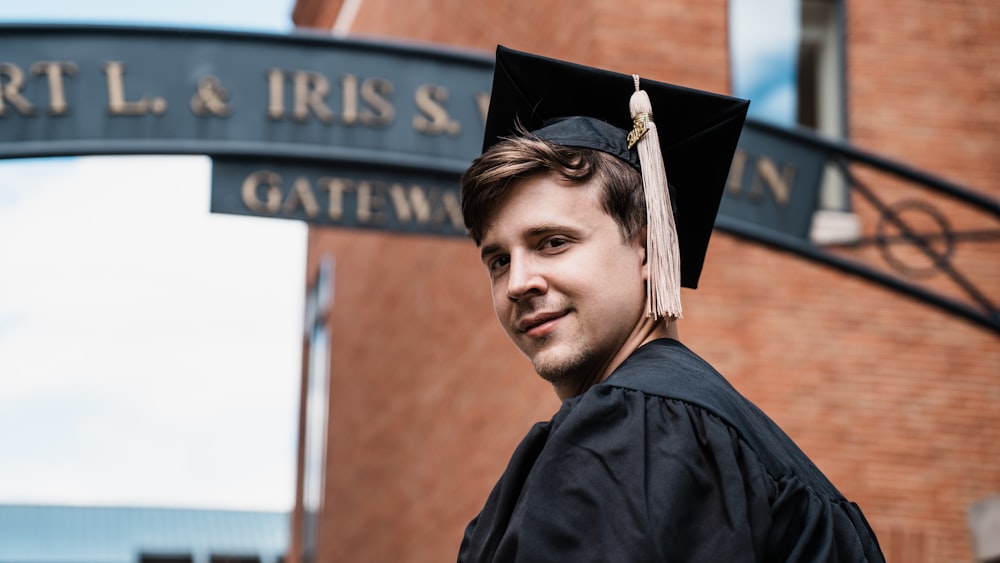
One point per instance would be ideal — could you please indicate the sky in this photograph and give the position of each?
(149, 350)
(763, 38)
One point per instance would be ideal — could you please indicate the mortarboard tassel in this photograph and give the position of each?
(663, 286)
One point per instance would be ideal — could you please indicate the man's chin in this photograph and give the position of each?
(557, 366)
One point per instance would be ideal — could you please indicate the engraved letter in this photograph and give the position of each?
(250, 192)
(349, 88)
(310, 92)
(451, 209)
(336, 188)
(371, 202)
(374, 92)
(275, 93)
(435, 120)
(370, 91)
(780, 183)
(54, 71)
(301, 196)
(11, 91)
(410, 204)
(115, 71)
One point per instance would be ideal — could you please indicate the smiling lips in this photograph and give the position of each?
(539, 324)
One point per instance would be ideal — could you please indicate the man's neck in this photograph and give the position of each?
(647, 331)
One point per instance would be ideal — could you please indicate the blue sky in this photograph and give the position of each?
(764, 40)
(149, 360)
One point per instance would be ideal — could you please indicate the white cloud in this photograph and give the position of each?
(149, 350)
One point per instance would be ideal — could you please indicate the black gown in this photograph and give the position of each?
(664, 461)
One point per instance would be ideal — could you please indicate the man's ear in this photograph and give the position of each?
(639, 241)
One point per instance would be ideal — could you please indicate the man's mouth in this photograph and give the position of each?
(539, 324)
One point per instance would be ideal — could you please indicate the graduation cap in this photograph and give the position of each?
(667, 132)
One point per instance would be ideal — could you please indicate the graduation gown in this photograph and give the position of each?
(664, 461)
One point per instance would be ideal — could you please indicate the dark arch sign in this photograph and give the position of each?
(303, 127)
(375, 135)
(328, 131)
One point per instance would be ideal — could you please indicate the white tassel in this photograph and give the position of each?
(663, 286)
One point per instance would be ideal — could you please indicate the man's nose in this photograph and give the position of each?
(524, 278)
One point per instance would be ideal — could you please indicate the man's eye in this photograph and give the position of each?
(498, 262)
(554, 242)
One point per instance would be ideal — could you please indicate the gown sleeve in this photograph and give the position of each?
(620, 475)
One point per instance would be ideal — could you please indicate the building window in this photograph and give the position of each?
(821, 68)
(787, 58)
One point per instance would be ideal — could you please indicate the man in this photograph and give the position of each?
(653, 455)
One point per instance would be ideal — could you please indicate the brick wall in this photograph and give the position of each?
(897, 402)
(924, 78)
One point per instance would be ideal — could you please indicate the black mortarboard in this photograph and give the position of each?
(697, 131)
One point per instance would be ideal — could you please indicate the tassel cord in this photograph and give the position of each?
(663, 251)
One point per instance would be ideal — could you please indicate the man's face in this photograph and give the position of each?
(568, 289)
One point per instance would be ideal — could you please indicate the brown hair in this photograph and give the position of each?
(487, 181)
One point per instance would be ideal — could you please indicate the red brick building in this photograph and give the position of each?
(897, 401)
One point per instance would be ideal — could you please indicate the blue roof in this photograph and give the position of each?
(76, 534)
